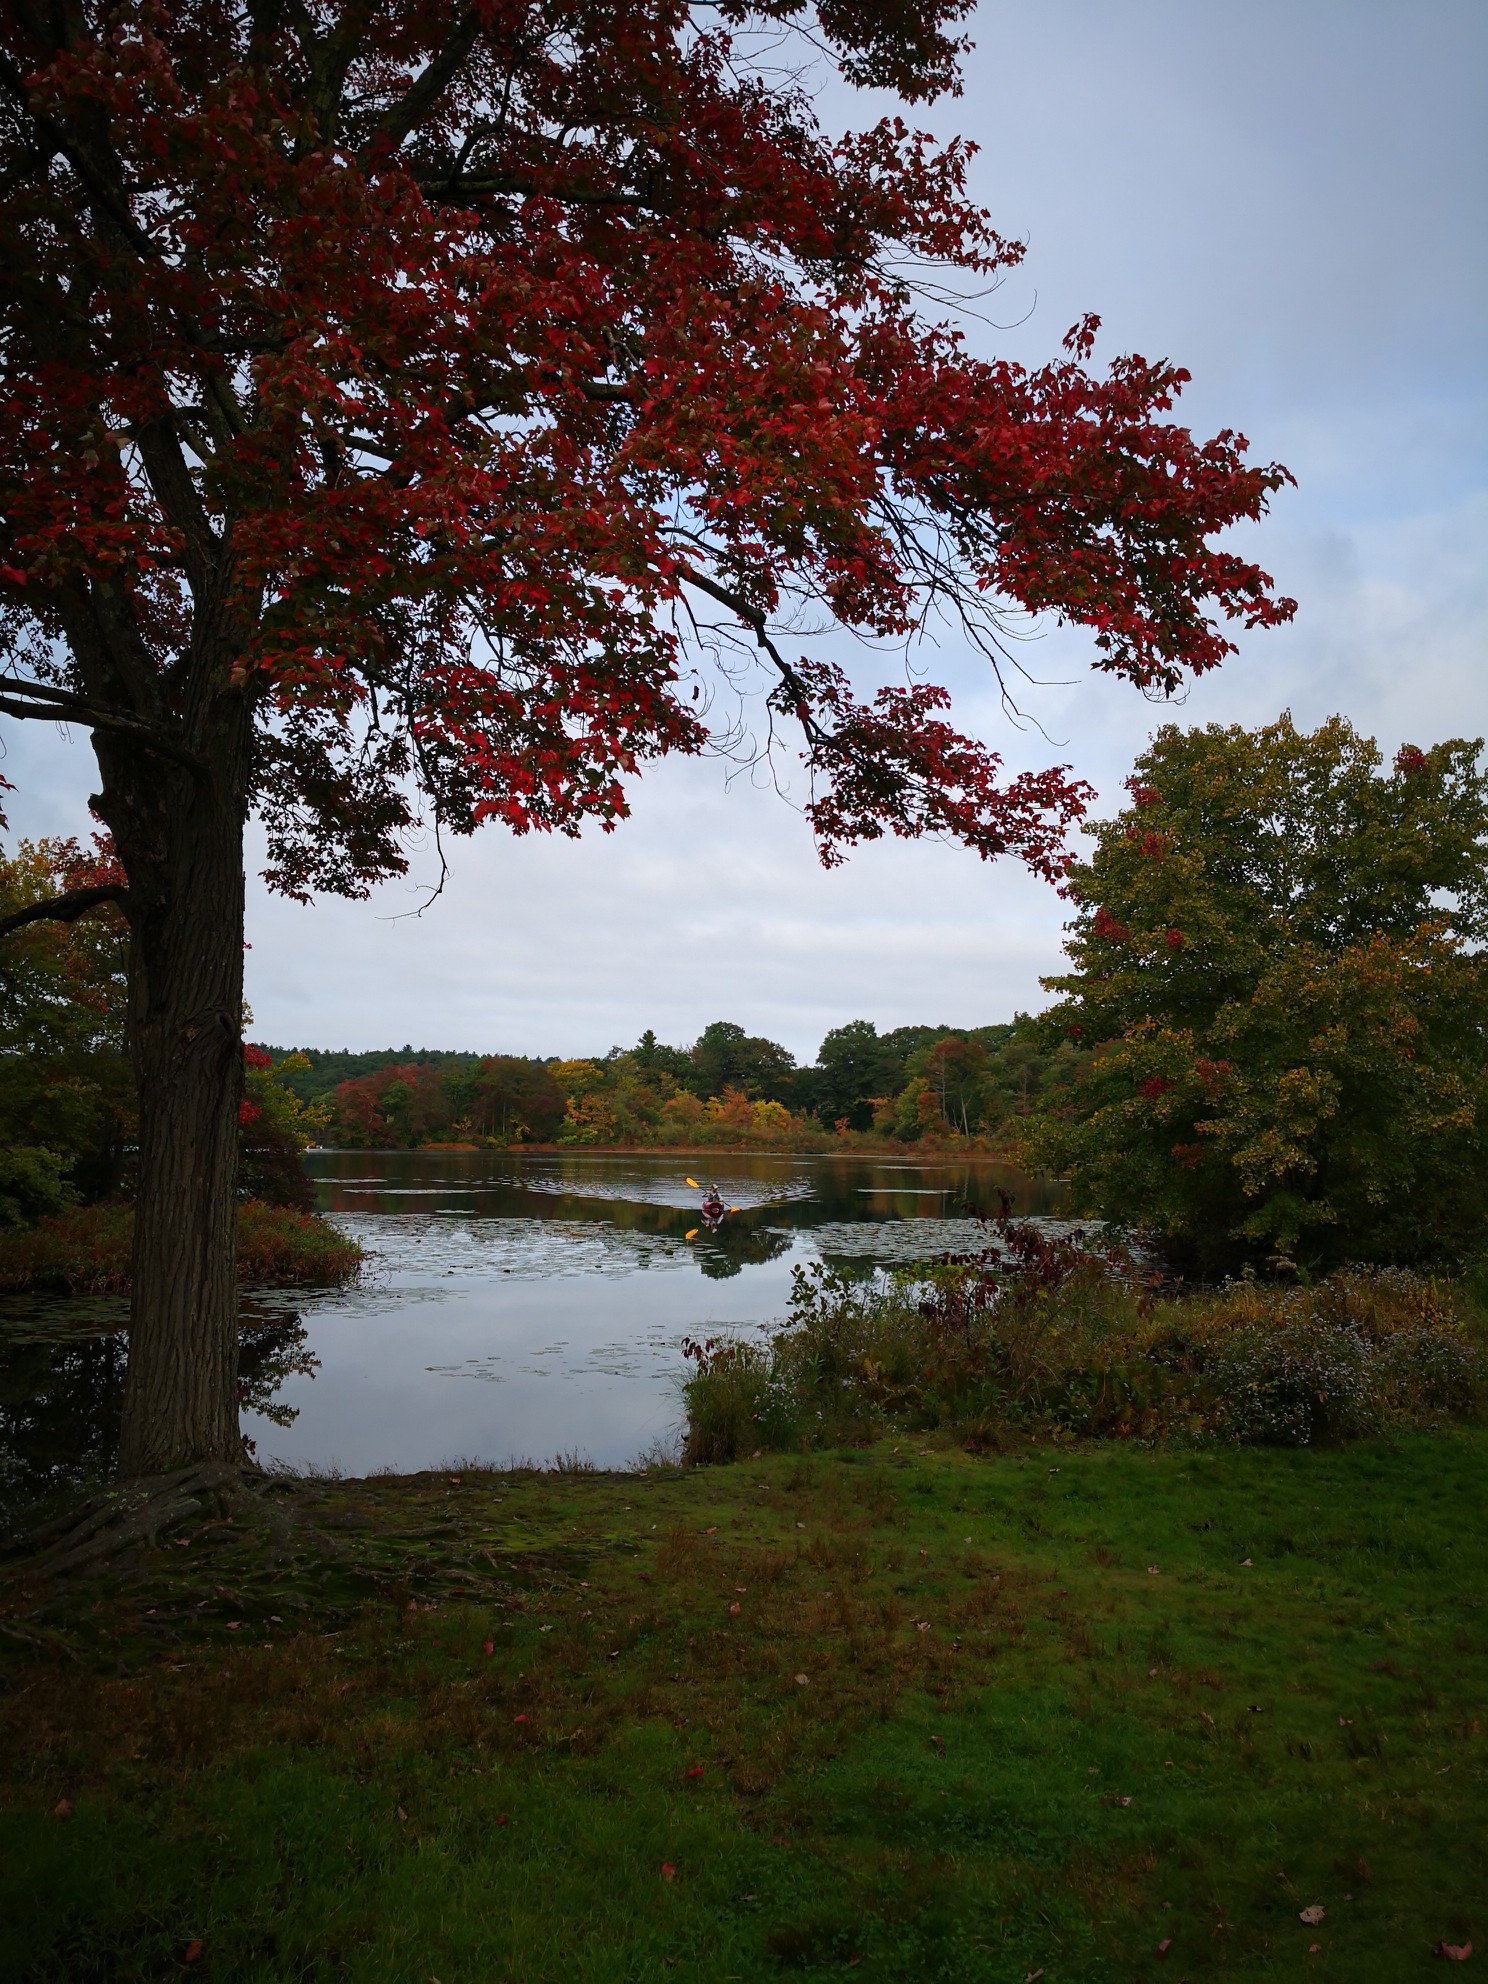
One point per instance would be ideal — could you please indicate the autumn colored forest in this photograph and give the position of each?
(920, 1085)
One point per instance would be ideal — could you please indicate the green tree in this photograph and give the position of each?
(275, 1127)
(66, 1096)
(946, 1089)
(1276, 962)
(725, 1056)
(852, 1064)
(671, 1065)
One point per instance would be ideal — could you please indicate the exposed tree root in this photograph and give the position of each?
(213, 1548)
(142, 1512)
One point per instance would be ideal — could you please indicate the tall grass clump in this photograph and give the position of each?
(1061, 1338)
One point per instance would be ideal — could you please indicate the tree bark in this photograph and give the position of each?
(179, 835)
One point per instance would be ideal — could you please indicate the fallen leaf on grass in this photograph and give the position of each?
(488, 1646)
(1164, 1946)
(1313, 1948)
(192, 1951)
(1313, 1915)
(734, 1609)
(1152, 1570)
(668, 1871)
(501, 1818)
(1454, 1952)
(695, 1770)
(1246, 1564)
(803, 1680)
(62, 1809)
(518, 1718)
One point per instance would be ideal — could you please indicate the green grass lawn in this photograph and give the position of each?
(904, 1715)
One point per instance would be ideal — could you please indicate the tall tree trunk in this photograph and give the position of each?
(179, 835)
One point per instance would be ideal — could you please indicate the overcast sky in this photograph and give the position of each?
(1288, 198)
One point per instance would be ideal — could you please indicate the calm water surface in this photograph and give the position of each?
(513, 1305)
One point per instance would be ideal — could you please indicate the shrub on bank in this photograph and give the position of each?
(86, 1251)
(1056, 1339)
(287, 1249)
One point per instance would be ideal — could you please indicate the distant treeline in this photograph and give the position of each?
(908, 1085)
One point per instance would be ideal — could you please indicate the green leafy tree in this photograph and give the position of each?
(66, 1096)
(654, 1058)
(1276, 962)
(274, 1129)
(852, 1067)
(725, 1056)
(956, 1072)
(947, 1090)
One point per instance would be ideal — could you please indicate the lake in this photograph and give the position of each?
(514, 1305)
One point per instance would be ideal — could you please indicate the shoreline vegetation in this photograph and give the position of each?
(1048, 1340)
(86, 1251)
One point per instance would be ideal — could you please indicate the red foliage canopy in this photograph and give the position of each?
(447, 379)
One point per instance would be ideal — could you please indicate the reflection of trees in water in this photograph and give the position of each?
(59, 1411)
(736, 1245)
(60, 1398)
(802, 1191)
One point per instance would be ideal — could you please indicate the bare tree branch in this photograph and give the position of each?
(38, 703)
(64, 909)
(755, 620)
